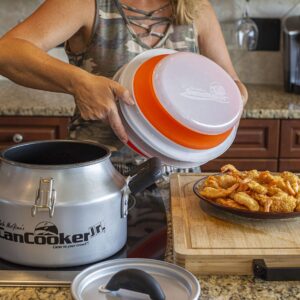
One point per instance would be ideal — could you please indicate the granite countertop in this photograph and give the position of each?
(265, 102)
(271, 102)
(16, 100)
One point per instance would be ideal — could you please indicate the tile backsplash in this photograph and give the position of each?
(253, 67)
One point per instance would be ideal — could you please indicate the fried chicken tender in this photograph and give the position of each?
(246, 200)
(212, 182)
(212, 193)
(292, 179)
(283, 203)
(230, 203)
(273, 190)
(257, 188)
(253, 174)
(278, 181)
(264, 201)
(229, 168)
(226, 181)
(297, 209)
(266, 177)
(243, 187)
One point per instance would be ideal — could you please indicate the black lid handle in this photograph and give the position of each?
(137, 281)
(145, 175)
(262, 271)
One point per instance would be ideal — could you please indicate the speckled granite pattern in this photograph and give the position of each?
(271, 102)
(20, 101)
(265, 102)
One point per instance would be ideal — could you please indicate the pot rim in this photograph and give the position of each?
(55, 167)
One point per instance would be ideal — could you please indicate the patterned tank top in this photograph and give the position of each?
(114, 44)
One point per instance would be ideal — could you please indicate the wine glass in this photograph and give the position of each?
(247, 31)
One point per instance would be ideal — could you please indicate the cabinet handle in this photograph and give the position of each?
(18, 138)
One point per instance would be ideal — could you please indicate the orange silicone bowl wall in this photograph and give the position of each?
(160, 119)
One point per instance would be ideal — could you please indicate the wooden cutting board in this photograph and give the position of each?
(209, 242)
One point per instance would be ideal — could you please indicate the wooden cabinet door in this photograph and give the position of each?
(292, 165)
(14, 130)
(256, 139)
(290, 139)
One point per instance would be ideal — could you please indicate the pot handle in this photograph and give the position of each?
(136, 281)
(145, 175)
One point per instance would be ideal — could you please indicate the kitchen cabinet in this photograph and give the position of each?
(256, 139)
(292, 165)
(15, 130)
(290, 139)
(263, 144)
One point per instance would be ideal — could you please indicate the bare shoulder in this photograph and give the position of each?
(54, 22)
(204, 14)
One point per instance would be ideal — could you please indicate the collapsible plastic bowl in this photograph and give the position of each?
(187, 107)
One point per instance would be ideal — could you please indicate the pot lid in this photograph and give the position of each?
(197, 92)
(162, 121)
(114, 280)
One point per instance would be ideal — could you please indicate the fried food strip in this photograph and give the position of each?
(244, 199)
(283, 203)
(212, 193)
(278, 181)
(243, 187)
(292, 179)
(226, 181)
(257, 188)
(230, 168)
(230, 203)
(212, 182)
(297, 209)
(253, 174)
(266, 177)
(264, 201)
(273, 190)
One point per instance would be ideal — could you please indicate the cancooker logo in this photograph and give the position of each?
(47, 233)
(215, 93)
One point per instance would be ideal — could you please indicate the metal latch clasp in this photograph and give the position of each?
(125, 199)
(45, 197)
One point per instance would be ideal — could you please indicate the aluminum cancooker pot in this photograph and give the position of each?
(62, 203)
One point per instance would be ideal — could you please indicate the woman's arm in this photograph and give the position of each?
(24, 60)
(212, 43)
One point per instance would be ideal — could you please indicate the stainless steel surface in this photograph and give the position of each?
(176, 282)
(291, 26)
(17, 138)
(46, 197)
(146, 219)
(37, 278)
(124, 202)
(291, 54)
(87, 224)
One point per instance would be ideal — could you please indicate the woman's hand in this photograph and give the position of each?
(96, 98)
(212, 43)
(243, 90)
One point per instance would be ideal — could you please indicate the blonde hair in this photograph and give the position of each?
(185, 10)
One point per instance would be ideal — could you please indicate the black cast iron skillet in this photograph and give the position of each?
(239, 212)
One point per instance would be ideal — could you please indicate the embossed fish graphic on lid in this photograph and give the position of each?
(216, 93)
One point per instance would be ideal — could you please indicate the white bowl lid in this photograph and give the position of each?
(198, 93)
